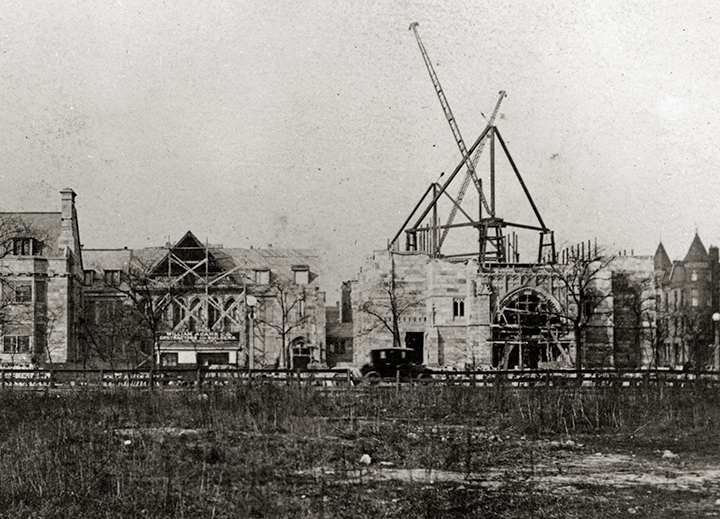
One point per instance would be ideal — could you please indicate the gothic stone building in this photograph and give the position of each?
(40, 274)
(459, 315)
(209, 305)
(687, 298)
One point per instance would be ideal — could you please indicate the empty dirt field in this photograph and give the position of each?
(271, 451)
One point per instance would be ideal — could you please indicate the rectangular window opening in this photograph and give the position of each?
(302, 277)
(14, 344)
(262, 277)
(169, 359)
(17, 291)
(25, 247)
(112, 278)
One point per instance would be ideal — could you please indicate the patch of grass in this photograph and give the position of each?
(251, 451)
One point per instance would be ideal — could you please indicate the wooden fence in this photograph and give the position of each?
(65, 378)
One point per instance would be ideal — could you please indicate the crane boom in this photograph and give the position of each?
(466, 180)
(449, 115)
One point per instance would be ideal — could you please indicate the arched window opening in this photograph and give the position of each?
(230, 314)
(178, 313)
(213, 312)
(194, 317)
(529, 332)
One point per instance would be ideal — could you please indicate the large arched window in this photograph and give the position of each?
(213, 312)
(194, 318)
(530, 332)
(230, 314)
(177, 313)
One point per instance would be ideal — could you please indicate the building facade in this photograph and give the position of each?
(687, 297)
(195, 304)
(41, 276)
(461, 315)
(339, 330)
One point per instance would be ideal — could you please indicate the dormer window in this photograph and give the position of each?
(301, 274)
(112, 278)
(89, 277)
(25, 247)
(262, 276)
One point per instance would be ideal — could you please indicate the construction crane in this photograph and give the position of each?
(424, 235)
(469, 176)
(469, 162)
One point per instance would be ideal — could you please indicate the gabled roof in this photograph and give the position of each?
(281, 262)
(697, 252)
(661, 259)
(190, 251)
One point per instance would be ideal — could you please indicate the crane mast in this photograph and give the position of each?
(427, 235)
(466, 180)
(449, 115)
(485, 238)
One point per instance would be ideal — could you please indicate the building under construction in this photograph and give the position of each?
(474, 300)
(197, 304)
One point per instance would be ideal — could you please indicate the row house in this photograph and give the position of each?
(687, 299)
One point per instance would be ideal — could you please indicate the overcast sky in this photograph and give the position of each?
(314, 124)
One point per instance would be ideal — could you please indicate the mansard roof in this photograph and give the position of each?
(697, 252)
(661, 259)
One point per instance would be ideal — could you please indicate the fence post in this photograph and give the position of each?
(199, 379)
(151, 380)
(51, 381)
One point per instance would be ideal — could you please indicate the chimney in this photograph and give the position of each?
(714, 254)
(67, 235)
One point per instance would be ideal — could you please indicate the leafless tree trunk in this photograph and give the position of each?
(582, 277)
(390, 302)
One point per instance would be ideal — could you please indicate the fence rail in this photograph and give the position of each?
(65, 378)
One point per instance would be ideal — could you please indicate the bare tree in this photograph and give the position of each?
(113, 332)
(136, 305)
(585, 278)
(45, 333)
(283, 310)
(393, 299)
(696, 336)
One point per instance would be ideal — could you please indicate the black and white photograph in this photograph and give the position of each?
(323, 260)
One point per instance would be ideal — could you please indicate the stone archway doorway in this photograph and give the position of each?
(529, 332)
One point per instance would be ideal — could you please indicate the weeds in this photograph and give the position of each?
(247, 452)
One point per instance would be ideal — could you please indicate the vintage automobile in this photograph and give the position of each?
(391, 362)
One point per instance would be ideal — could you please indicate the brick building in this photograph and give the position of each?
(687, 298)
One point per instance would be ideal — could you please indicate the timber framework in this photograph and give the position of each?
(426, 230)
